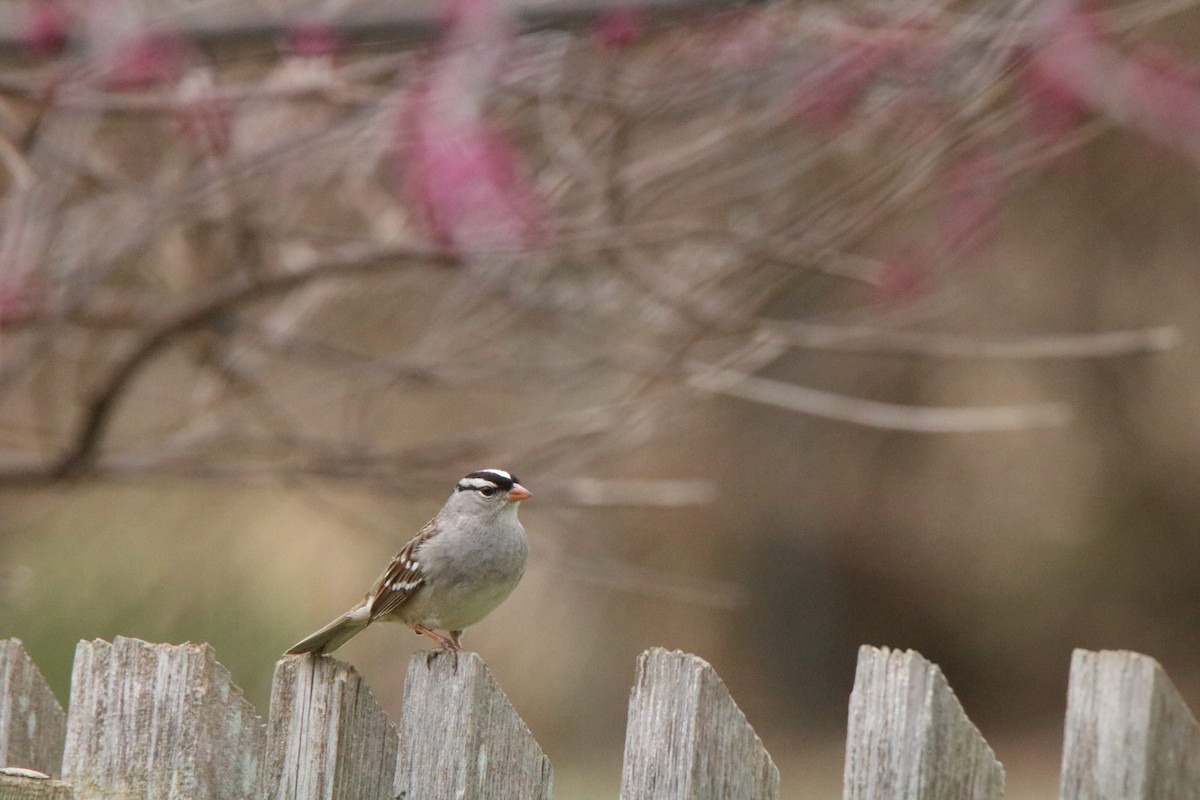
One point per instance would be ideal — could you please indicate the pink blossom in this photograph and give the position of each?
(1071, 48)
(1053, 109)
(466, 180)
(857, 56)
(47, 24)
(126, 53)
(152, 58)
(458, 167)
(312, 37)
(466, 21)
(826, 95)
(617, 29)
(902, 277)
(1075, 67)
(1068, 70)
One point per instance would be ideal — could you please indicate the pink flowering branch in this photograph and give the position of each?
(461, 170)
(643, 192)
(1076, 65)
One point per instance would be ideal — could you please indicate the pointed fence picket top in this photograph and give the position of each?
(165, 722)
(909, 738)
(686, 739)
(158, 721)
(32, 723)
(461, 738)
(327, 737)
(1128, 733)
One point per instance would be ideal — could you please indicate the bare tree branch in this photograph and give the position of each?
(214, 263)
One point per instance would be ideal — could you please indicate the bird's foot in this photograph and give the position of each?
(437, 651)
(445, 645)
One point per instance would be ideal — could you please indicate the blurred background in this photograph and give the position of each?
(808, 325)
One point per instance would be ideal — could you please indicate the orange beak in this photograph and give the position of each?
(518, 493)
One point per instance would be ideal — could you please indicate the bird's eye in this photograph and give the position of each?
(487, 491)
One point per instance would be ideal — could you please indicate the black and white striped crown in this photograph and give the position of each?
(497, 478)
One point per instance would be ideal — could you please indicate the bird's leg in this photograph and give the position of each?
(445, 645)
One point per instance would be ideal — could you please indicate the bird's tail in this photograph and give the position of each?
(335, 634)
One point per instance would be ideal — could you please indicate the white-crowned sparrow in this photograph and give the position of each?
(452, 574)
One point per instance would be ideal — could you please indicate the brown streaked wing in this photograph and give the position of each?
(402, 577)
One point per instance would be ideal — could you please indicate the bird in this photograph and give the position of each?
(452, 574)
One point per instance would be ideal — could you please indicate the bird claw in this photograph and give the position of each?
(437, 651)
(445, 645)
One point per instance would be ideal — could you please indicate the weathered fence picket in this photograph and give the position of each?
(32, 723)
(158, 721)
(909, 738)
(327, 737)
(1128, 735)
(686, 739)
(461, 738)
(166, 722)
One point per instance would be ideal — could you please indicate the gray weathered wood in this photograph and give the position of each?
(327, 737)
(32, 723)
(908, 737)
(686, 739)
(1128, 734)
(18, 787)
(460, 737)
(158, 721)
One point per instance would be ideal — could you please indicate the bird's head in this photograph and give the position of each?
(488, 491)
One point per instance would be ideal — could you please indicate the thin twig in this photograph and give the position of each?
(866, 339)
(876, 414)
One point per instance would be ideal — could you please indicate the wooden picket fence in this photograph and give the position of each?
(165, 721)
